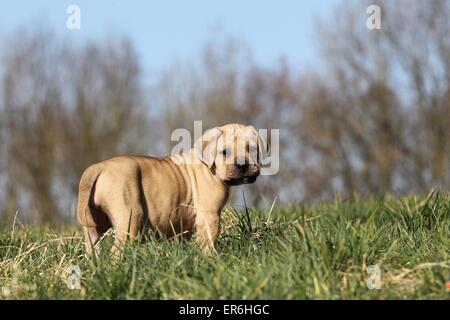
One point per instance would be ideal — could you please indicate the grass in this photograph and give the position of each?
(297, 252)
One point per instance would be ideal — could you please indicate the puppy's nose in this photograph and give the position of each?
(242, 166)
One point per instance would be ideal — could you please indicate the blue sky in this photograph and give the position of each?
(165, 31)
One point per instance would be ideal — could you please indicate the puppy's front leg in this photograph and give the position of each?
(207, 227)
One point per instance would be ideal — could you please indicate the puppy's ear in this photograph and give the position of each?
(206, 146)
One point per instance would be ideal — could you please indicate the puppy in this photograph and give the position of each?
(171, 195)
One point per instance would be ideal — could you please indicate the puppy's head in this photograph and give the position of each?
(232, 153)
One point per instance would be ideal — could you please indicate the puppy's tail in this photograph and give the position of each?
(85, 195)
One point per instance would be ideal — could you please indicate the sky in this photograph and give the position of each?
(168, 31)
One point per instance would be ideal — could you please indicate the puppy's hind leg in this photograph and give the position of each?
(93, 235)
(94, 221)
(92, 238)
(127, 227)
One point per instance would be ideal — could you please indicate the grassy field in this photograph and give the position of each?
(319, 252)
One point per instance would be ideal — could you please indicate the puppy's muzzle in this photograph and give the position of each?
(242, 174)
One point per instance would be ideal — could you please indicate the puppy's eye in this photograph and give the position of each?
(224, 152)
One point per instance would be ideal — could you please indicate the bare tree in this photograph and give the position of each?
(375, 119)
(65, 108)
